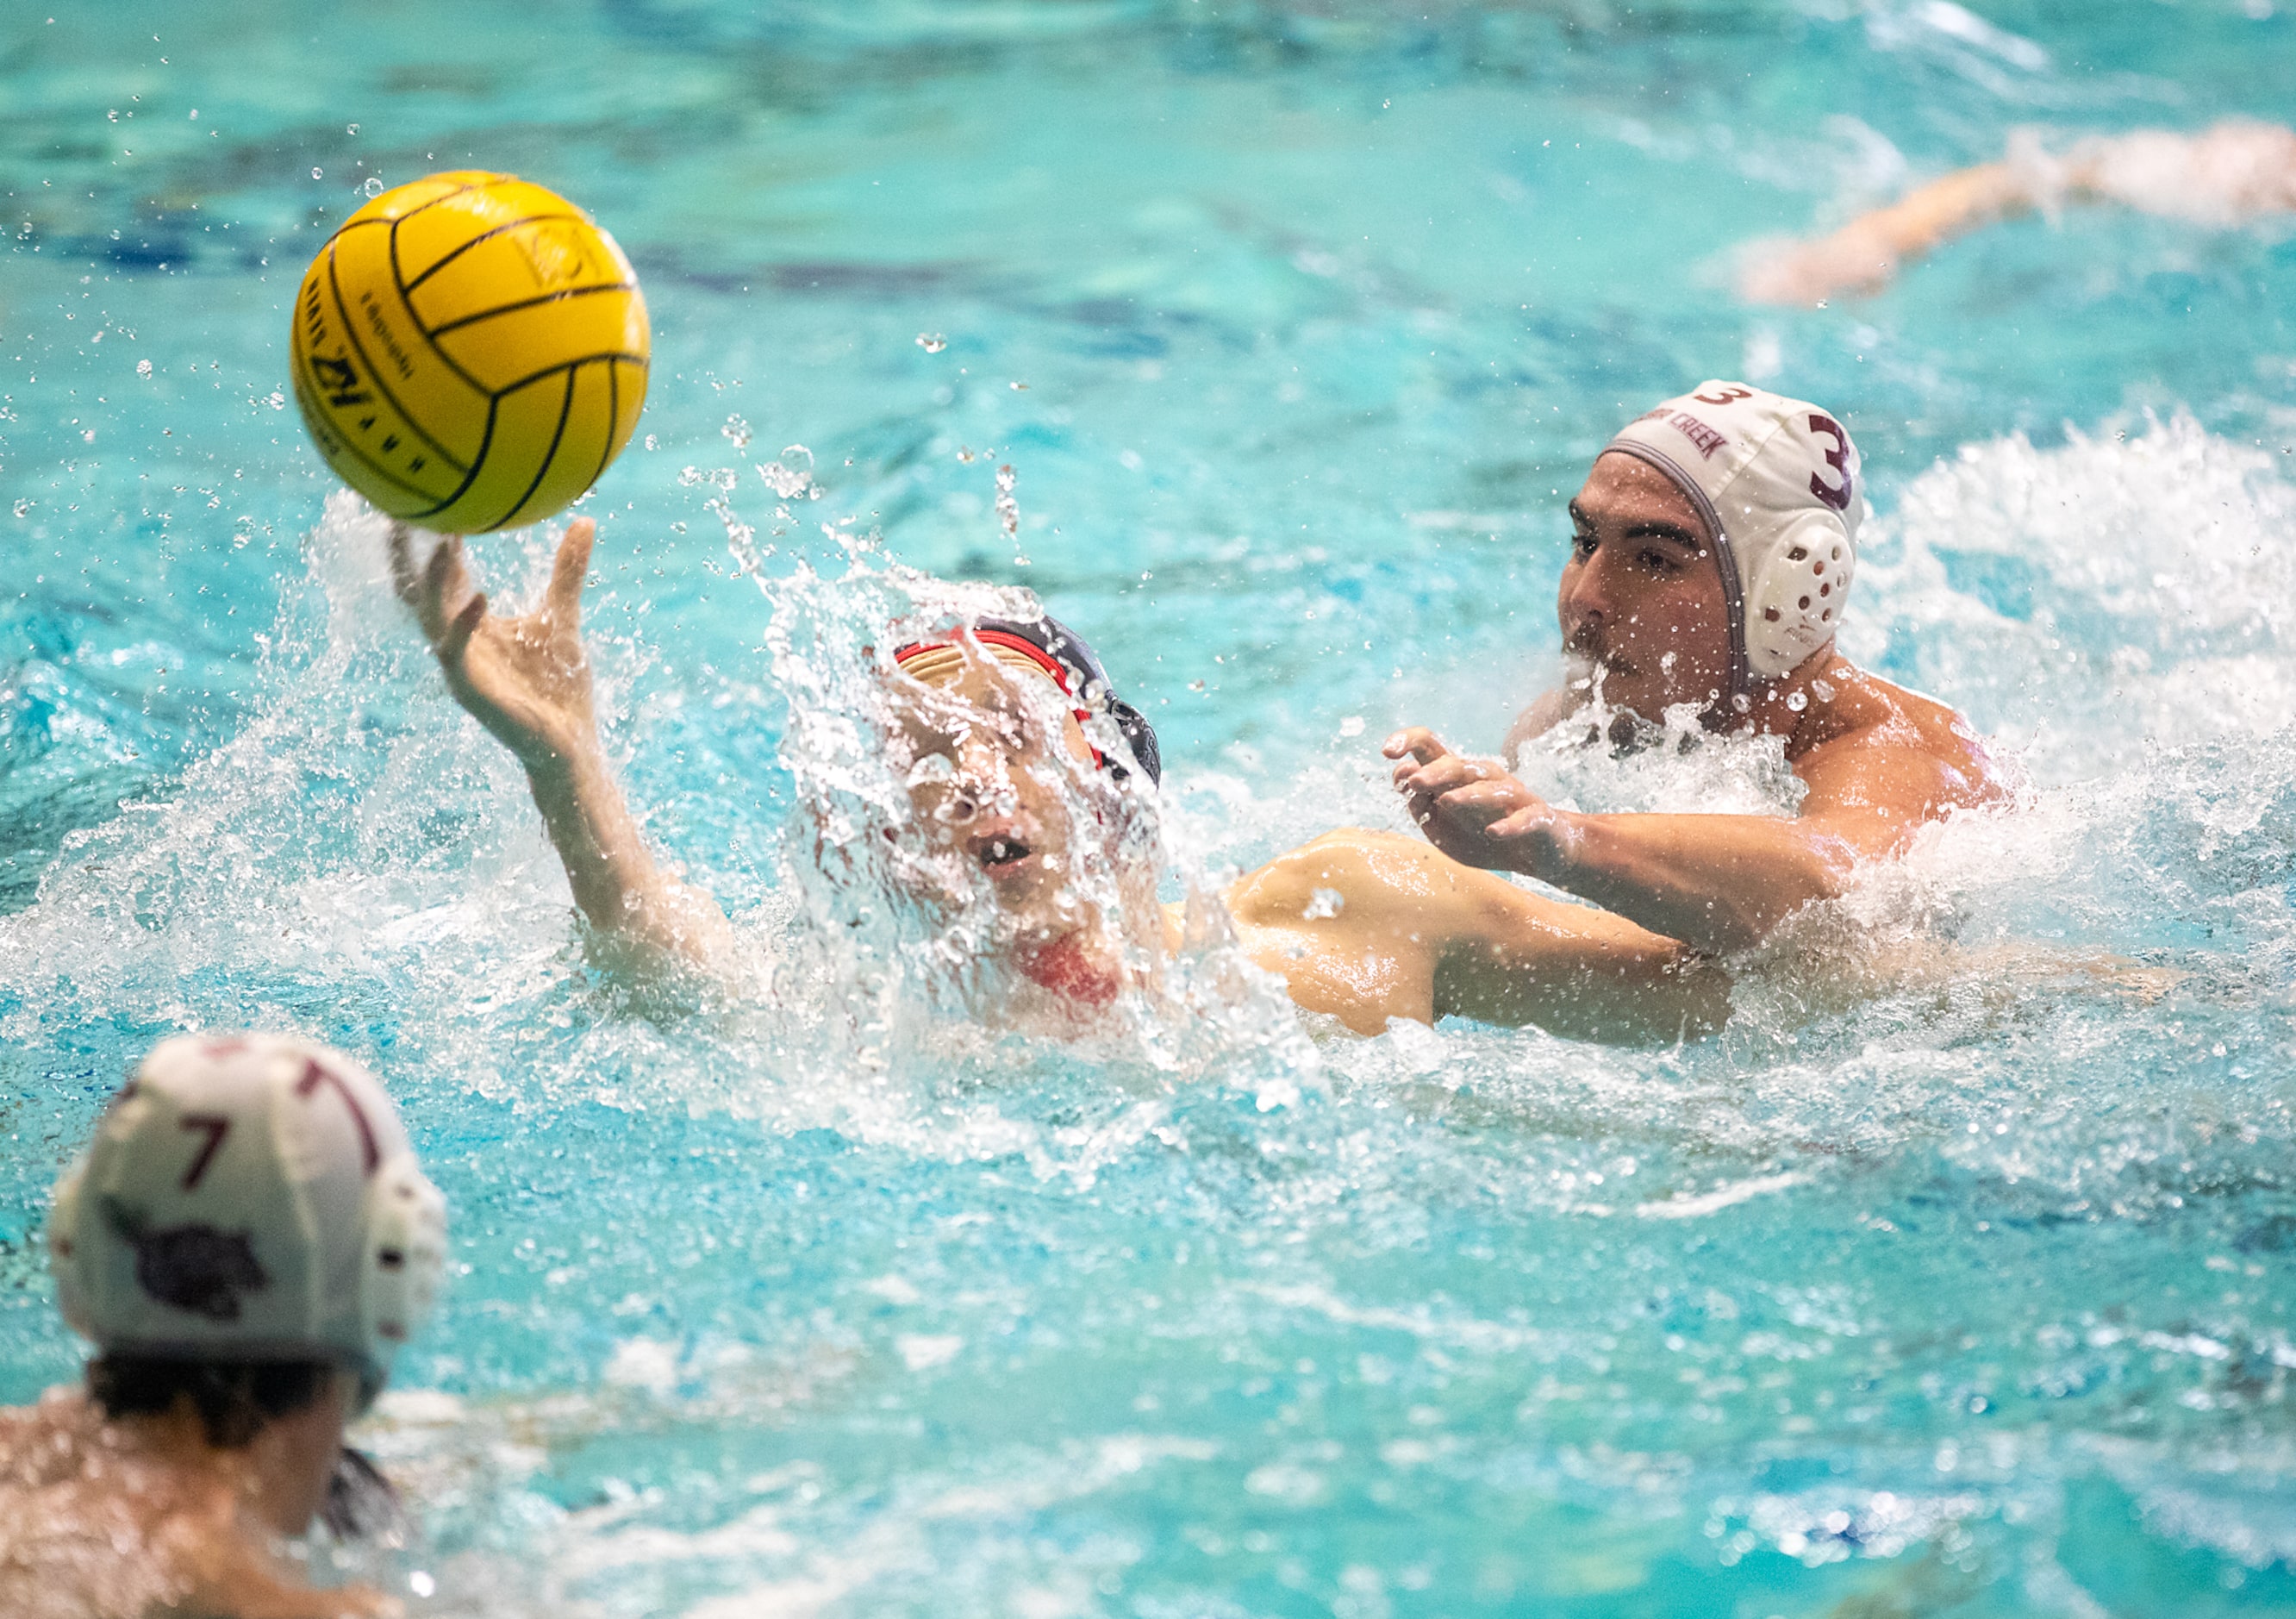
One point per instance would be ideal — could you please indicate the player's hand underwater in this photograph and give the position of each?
(527, 679)
(1471, 809)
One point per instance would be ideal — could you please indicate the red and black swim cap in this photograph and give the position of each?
(1054, 650)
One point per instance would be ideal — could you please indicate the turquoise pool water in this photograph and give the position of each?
(1968, 1295)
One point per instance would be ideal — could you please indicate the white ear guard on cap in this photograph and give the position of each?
(1777, 482)
(248, 1198)
(1795, 589)
(403, 1252)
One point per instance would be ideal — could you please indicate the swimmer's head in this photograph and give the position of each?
(248, 1198)
(1017, 756)
(1717, 539)
(1046, 648)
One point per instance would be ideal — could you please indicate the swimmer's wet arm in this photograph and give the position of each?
(527, 679)
(1511, 957)
(1863, 255)
(1368, 926)
(1716, 883)
(1722, 882)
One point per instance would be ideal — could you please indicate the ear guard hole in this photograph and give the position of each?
(1771, 613)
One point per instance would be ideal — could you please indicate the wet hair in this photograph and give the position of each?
(234, 1398)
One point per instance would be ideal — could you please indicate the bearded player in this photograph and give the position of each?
(1716, 539)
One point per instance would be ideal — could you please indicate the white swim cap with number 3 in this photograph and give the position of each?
(1777, 481)
(248, 1198)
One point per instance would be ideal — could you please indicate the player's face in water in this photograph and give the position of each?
(1641, 600)
(992, 757)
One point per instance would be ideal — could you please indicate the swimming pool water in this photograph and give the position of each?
(1969, 1293)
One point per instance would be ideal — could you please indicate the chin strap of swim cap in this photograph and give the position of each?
(1049, 647)
(1776, 482)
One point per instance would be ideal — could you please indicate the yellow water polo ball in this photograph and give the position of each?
(470, 351)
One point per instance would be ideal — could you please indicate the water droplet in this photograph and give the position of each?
(1325, 902)
(791, 476)
(932, 342)
(143, 367)
(1352, 725)
(319, 173)
(1798, 701)
(350, 128)
(1008, 506)
(651, 442)
(373, 187)
(738, 430)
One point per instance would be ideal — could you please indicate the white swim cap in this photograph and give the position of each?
(1776, 481)
(248, 1198)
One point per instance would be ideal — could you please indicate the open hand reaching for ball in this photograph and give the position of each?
(527, 679)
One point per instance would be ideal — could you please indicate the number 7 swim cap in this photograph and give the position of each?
(1777, 481)
(248, 1198)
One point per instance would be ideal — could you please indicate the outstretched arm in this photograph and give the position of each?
(1369, 926)
(1864, 254)
(2238, 168)
(527, 679)
(1716, 883)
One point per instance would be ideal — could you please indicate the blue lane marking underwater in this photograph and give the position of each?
(1968, 1291)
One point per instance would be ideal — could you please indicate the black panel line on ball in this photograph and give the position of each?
(494, 409)
(579, 359)
(443, 357)
(614, 413)
(528, 303)
(361, 457)
(484, 236)
(565, 409)
(350, 330)
(446, 196)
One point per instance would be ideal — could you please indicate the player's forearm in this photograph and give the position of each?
(1580, 972)
(1716, 883)
(617, 885)
(1951, 207)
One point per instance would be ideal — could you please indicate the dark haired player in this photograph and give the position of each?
(248, 1240)
(1717, 537)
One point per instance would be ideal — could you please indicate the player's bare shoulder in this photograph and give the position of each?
(1856, 717)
